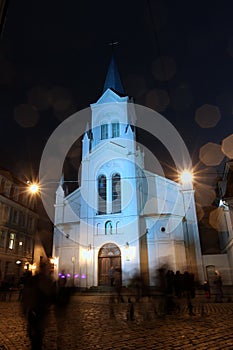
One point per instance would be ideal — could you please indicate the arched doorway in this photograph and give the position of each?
(109, 255)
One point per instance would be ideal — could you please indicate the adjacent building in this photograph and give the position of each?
(225, 214)
(18, 227)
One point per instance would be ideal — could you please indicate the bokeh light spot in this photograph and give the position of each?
(211, 154)
(26, 116)
(164, 68)
(157, 99)
(200, 212)
(59, 98)
(204, 194)
(207, 116)
(38, 97)
(217, 220)
(227, 146)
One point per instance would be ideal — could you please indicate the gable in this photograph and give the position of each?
(110, 96)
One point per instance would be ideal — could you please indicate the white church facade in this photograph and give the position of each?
(122, 215)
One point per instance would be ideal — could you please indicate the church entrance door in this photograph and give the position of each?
(109, 255)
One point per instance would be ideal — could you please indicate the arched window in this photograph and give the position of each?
(102, 194)
(116, 193)
(115, 129)
(104, 131)
(108, 228)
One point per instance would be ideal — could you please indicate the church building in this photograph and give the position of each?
(122, 215)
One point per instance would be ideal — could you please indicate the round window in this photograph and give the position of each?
(162, 229)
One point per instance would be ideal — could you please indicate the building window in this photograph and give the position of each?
(104, 131)
(7, 188)
(5, 213)
(20, 247)
(108, 228)
(15, 216)
(2, 239)
(30, 223)
(9, 268)
(22, 220)
(2, 186)
(16, 194)
(12, 241)
(102, 194)
(115, 129)
(116, 193)
(12, 190)
(28, 245)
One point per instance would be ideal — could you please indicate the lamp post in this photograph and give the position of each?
(33, 189)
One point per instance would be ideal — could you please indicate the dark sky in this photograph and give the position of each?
(173, 56)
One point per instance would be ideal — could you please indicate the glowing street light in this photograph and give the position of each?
(186, 176)
(33, 187)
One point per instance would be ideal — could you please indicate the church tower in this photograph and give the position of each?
(109, 222)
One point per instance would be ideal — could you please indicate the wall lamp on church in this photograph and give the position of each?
(129, 252)
(86, 253)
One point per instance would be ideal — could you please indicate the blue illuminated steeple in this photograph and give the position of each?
(113, 80)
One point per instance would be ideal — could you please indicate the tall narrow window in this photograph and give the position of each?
(102, 194)
(116, 193)
(108, 228)
(2, 239)
(104, 131)
(115, 130)
(12, 241)
(2, 186)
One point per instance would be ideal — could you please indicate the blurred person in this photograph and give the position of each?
(130, 310)
(22, 282)
(117, 284)
(37, 297)
(218, 287)
(111, 275)
(178, 285)
(63, 291)
(206, 288)
(189, 289)
(162, 287)
(170, 305)
(139, 285)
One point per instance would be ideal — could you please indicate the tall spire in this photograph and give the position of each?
(113, 80)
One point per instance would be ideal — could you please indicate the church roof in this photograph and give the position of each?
(113, 80)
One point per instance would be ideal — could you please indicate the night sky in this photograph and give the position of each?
(173, 56)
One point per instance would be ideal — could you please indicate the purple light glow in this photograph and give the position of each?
(76, 275)
(83, 276)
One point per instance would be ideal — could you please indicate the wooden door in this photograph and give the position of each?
(109, 255)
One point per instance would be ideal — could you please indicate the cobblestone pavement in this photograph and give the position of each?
(99, 322)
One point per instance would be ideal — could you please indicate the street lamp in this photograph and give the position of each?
(33, 187)
(186, 176)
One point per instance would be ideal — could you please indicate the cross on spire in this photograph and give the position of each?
(113, 80)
